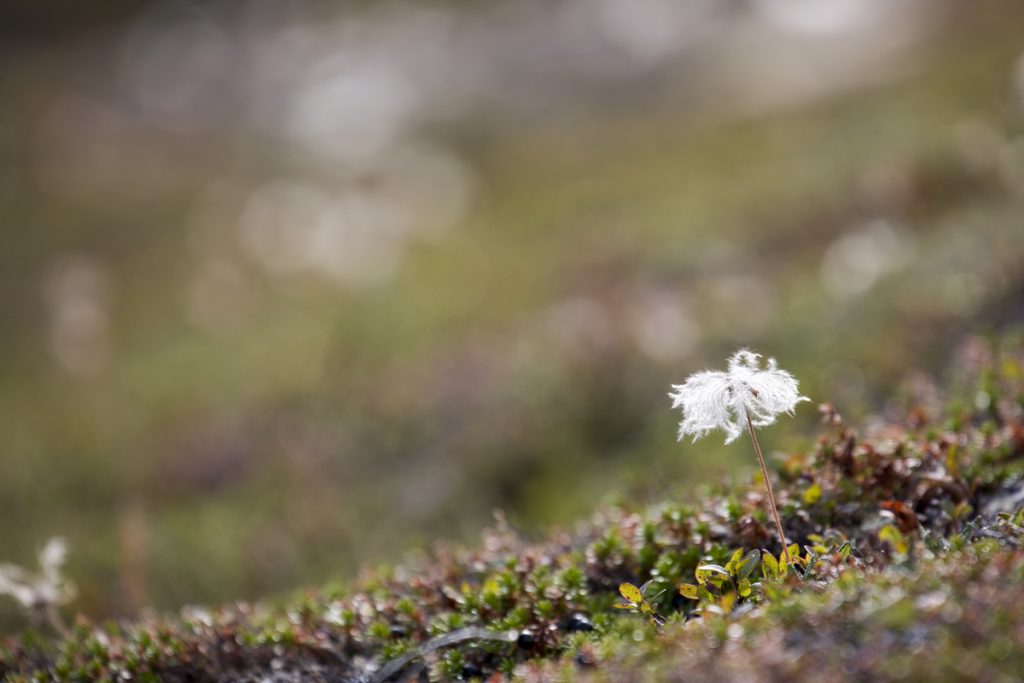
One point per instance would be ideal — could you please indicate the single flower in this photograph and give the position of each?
(713, 399)
(43, 590)
(745, 396)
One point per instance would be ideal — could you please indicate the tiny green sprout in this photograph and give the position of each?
(637, 602)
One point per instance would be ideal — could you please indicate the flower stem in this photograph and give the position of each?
(771, 493)
(48, 613)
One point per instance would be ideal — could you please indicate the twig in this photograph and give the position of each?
(771, 493)
(56, 621)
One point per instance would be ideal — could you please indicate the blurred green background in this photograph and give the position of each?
(286, 288)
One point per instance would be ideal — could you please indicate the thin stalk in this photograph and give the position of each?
(52, 615)
(771, 493)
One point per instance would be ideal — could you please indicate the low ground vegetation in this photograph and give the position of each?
(907, 565)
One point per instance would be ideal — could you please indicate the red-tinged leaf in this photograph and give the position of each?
(904, 514)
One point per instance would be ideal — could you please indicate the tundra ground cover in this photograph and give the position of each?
(910, 567)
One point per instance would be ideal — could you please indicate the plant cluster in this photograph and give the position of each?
(907, 539)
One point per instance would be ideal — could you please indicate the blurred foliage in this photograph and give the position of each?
(206, 416)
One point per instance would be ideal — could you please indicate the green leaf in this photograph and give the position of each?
(794, 553)
(749, 563)
(631, 593)
(769, 566)
(744, 587)
(794, 559)
(688, 590)
(812, 494)
(491, 587)
(716, 568)
(811, 559)
(715, 573)
(733, 563)
(891, 535)
(952, 464)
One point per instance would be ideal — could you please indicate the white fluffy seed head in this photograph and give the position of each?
(722, 400)
(35, 590)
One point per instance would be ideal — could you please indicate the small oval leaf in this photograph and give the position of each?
(688, 590)
(769, 566)
(749, 563)
(715, 574)
(631, 593)
(715, 568)
(733, 563)
(812, 494)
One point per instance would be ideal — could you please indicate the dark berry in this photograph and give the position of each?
(579, 622)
